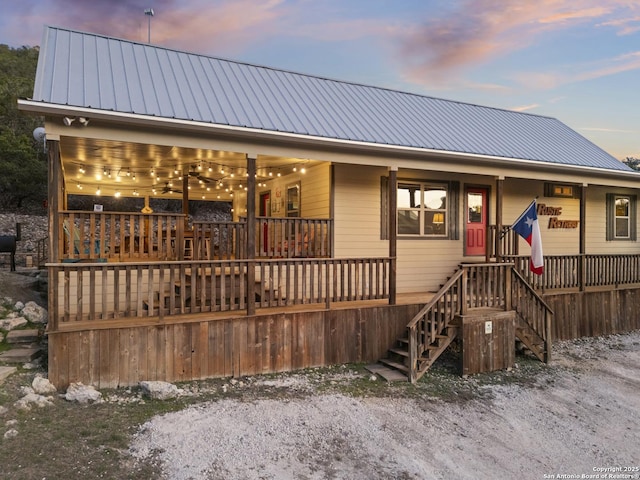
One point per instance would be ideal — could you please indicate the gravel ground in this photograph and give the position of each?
(579, 415)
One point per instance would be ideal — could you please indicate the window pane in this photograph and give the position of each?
(408, 195)
(408, 222)
(622, 228)
(435, 198)
(622, 207)
(475, 207)
(434, 223)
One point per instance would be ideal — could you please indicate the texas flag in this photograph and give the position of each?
(527, 227)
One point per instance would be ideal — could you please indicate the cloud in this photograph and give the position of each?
(625, 26)
(524, 108)
(476, 31)
(607, 130)
(580, 72)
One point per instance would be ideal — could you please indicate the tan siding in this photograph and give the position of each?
(597, 222)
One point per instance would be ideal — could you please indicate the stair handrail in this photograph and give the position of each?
(416, 349)
(545, 334)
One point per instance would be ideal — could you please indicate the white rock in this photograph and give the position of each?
(160, 390)
(77, 392)
(18, 306)
(42, 385)
(26, 390)
(3, 410)
(11, 433)
(11, 323)
(35, 313)
(31, 399)
(11, 423)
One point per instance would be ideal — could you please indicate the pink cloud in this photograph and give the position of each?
(479, 30)
(580, 73)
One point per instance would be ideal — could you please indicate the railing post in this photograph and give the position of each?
(251, 235)
(464, 294)
(413, 354)
(508, 294)
(547, 340)
(393, 233)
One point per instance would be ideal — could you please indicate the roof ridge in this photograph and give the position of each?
(302, 74)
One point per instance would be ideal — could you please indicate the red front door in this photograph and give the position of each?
(476, 221)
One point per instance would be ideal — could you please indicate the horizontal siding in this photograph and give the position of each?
(597, 222)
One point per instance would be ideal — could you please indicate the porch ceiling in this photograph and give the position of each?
(144, 169)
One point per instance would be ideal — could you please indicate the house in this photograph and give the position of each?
(367, 223)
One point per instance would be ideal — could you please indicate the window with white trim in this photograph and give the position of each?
(422, 209)
(621, 217)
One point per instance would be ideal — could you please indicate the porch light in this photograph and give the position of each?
(68, 121)
(79, 187)
(232, 175)
(82, 170)
(271, 174)
(295, 169)
(133, 176)
(203, 197)
(303, 170)
(175, 170)
(117, 194)
(279, 174)
(152, 173)
(84, 121)
(98, 192)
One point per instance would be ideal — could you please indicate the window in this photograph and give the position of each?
(423, 209)
(621, 217)
(560, 190)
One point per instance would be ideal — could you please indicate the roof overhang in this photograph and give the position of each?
(253, 136)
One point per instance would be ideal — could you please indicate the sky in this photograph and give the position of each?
(575, 60)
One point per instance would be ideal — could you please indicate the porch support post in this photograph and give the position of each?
(583, 237)
(499, 197)
(54, 198)
(393, 232)
(251, 234)
(185, 201)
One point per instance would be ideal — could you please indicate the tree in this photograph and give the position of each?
(23, 183)
(632, 163)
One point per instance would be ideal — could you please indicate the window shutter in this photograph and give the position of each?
(454, 210)
(611, 216)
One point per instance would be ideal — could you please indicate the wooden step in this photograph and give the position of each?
(389, 374)
(20, 355)
(23, 336)
(397, 351)
(396, 365)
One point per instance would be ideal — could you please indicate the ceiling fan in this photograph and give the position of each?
(169, 189)
(193, 173)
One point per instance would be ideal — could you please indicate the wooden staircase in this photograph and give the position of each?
(472, 287)
(398, 356)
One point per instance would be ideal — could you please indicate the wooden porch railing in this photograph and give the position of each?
(508, 241)
(582, 271)
(103, 291)
(275, 238)
(100, 235)
(221, 240)
(42, 252)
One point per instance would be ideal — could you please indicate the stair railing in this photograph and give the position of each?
(484, 285)
(532, 309)
(433, 318)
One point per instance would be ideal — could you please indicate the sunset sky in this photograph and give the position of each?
(576, 60)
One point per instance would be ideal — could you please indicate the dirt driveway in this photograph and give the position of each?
(577, 418)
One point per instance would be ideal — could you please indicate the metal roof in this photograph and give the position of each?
(93, 71)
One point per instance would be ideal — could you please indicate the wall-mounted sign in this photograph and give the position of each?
(554, 221)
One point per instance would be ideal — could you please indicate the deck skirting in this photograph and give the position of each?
(209, 348)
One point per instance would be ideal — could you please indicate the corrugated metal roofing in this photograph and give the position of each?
(93, 71)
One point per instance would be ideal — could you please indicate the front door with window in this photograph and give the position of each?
(476, 221)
